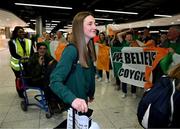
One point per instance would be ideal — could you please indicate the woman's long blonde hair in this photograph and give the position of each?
(78, 38)
(174, 73)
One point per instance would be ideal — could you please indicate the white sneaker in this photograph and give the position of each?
(123, 95)
(107, 81)
(99, 79)
(134, 95)
(96, 76)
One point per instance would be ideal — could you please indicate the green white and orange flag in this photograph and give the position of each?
(103, 58)
(59, 50)
(134, 65)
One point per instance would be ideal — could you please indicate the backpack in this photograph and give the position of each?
(54, 63)
(156, 107)
(74, 62)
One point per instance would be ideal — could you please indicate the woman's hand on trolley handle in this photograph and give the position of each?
(80, 105)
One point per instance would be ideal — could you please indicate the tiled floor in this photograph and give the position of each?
(110, 110)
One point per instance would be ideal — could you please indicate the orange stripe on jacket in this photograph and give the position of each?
(59, 50)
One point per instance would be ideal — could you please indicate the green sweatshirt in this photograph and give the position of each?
(80, 83)
(167, 60)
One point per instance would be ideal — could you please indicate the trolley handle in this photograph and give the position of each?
(21, 61)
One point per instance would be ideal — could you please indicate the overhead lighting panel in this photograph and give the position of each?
(43, 6)
(56, 21)
(104, 19)
(159, 15)
(110, 11)
(69, 26)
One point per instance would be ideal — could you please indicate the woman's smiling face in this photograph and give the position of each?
(89, 27)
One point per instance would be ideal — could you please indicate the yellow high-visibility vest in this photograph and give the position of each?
(14, 63)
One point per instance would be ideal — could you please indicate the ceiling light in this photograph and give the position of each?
(53, 24)
(68, 27)
(48, 31)
(110, 11)
(164, 30)
(44, 6)
(159, 15)
(49, 28)
(155, 31)
(32, 20)
(64, 30)
(56, 21)
(104, 19)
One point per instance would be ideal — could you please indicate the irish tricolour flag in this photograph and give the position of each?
(134, 65)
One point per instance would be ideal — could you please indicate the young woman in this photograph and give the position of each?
(75, 85)
(102, 40)
(19, 47)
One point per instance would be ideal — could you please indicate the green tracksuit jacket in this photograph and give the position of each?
(80, 83)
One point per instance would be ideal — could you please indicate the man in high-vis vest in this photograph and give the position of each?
(19, 47)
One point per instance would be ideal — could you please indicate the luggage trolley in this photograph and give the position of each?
(40, 97)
